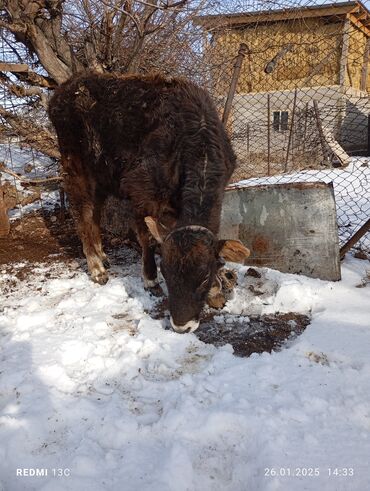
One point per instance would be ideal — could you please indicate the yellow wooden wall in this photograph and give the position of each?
(357, 44)
(316, 44)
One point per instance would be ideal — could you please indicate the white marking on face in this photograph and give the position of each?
(190, 326)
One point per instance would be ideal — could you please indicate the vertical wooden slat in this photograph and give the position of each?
(268, 133)
(320, 131)
(344, 55)
(248, 142)
(365, 66)
(291, 131)
(305, 129)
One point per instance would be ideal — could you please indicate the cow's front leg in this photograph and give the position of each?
(149, 266)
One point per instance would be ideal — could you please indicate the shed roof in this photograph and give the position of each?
(358, 13)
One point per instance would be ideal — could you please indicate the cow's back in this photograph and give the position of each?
(126, 112)
(142, 128)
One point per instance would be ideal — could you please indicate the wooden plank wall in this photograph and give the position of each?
(336, 47)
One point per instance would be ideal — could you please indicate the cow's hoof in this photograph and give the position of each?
(153, 286)
(101, 278)
(156, 291)
(148, 284)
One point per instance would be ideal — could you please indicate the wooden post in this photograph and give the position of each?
(291, 131)
(320, 131)
(355, 238)
(250, 73)
(248, 142)
(234, 82)
(344, 55)
(305, 128)
(365, 66)
(322, 63)
(7, 201)
(4, 219)
(271, 65)
(268, 134)
(13, 67)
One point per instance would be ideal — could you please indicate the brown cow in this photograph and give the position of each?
(159, 143)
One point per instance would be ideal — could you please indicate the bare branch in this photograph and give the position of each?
(126, 12)
(27, 180)
(21, 91)
(42, 35)
(33, 135)
(164, 5)
(13, 27)
(33, 78)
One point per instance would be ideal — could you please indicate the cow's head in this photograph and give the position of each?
(191, 257)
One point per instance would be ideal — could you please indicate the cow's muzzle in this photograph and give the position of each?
(190, 326)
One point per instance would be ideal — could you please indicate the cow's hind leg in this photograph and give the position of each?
(98, 204)
(87, 224)
(86, 209)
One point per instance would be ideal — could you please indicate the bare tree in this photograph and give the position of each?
(46, 41)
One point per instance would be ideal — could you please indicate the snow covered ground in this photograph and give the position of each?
(96, 395)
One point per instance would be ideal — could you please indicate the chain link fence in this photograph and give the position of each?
(300, 109)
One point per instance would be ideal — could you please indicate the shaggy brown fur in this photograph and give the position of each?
(159, 143)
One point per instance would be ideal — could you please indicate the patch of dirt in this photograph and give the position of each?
(40, 237)
(249, 335)
(246, 335)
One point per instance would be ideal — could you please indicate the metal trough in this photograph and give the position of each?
(289, 227)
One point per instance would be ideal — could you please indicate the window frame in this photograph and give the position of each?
(280, 121)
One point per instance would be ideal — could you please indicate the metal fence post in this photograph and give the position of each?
(268, 134)
(234, 81)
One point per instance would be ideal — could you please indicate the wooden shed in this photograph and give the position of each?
(299, 47)
(294, 57)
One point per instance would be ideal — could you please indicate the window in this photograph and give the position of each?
(280, 121)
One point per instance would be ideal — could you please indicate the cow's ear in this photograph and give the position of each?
(233, 250)
(152, 225)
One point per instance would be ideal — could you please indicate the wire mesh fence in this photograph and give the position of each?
(301, 107)
(299, 112)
